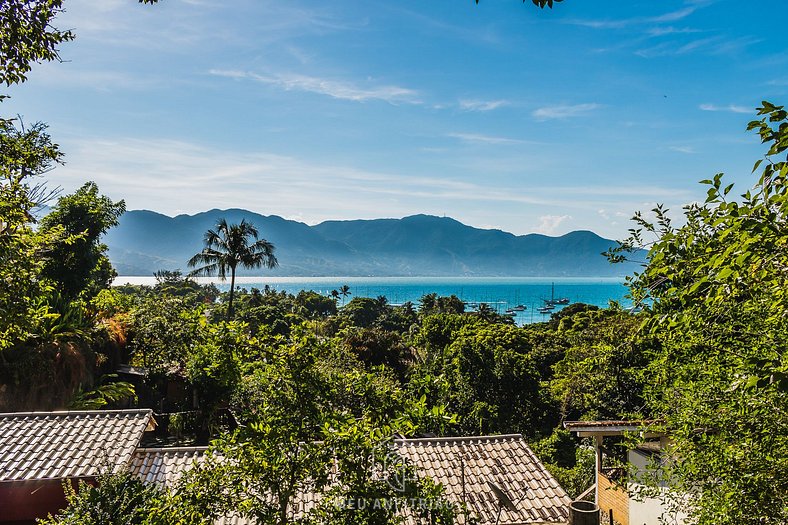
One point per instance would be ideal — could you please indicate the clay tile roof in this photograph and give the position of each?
(505, 461)
(164, 465)
(75, 444)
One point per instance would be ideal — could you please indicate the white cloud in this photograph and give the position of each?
(671, 30)
(486, 139)
(672, 16)
(683, 149)
(730, 108)
(548, 224)
(564, 111)
(332, 88)
(169, 176)
(482, 105)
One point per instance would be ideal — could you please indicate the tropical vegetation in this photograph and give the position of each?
(268, 377)
(228, 246)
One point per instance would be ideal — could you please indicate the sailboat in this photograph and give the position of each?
(553, 302)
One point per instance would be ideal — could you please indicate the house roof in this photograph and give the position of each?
(165, 465)
(69, 444)
(613, 428)
(505, 461)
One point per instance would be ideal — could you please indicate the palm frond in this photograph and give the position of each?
(227, 246)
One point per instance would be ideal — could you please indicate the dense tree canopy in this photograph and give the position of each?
(708, 356)
(717, 289)
(78, 264)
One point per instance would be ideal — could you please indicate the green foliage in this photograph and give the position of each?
(314, 305)
(27, 36)
(228, 246)
(717, 286)
(173, 283)
(109, 302)
(377, 347)
(78, 265)
(495, 384)
(313, 422)
(573, 467)
(116, 499)
(601, 374)
(161, 332)
(432, 303)
(364, 311)
(439, 330)
(25, 153)
(105, 394)
(213, 370)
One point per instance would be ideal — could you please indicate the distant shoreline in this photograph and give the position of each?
(149, 279)
(500, 293)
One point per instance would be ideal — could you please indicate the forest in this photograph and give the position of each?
(286, 387)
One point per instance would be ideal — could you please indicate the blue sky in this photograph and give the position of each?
(500, 115)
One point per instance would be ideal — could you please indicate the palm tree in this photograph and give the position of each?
(228, 246)
(344, 291)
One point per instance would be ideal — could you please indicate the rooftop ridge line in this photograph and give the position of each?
(499, 437)
(79, 412)
(149, 450)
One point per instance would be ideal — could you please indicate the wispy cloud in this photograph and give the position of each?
(333, 88)
(147, 173)
(485, 139)
(671, 30)
(672, 16)
(689, 150)
(675, 47)
(564, 111)
(482, 105)
(732, 108)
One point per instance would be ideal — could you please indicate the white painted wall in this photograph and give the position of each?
(648, 511)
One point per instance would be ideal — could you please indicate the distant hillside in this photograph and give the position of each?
(421, 245)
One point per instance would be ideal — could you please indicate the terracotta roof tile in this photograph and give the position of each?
(165, 465)
(506, 461)
(52, 445)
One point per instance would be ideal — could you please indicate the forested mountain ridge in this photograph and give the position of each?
(422, 245)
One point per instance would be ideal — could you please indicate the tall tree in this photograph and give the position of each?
(79, 265)
(25, 153)
(228, 246)
(344, 291)
(716, 287)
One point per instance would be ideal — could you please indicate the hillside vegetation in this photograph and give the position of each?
(420, 245)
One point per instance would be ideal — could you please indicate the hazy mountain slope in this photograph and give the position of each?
(438, 244)
(148, 236)
(146, 241)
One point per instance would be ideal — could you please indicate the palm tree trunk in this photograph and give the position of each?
(232, 292)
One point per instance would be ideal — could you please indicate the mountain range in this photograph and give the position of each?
(419, 245)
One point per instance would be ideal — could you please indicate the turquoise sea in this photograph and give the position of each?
(501, 293)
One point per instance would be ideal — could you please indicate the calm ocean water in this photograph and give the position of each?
(500, 293)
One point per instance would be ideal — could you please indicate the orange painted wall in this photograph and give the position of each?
(611, 497)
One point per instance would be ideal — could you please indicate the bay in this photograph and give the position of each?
(500, 293)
